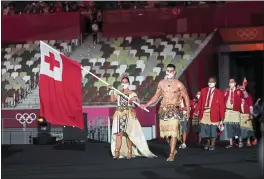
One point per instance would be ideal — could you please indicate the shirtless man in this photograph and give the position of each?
(171, 90)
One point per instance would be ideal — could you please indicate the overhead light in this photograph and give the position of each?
(42, 124)
(40, 119)
(43, 137)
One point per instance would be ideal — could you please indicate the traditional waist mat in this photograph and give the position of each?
(169, 112)
(123, 108)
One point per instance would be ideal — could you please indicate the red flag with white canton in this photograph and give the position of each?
(60, 88)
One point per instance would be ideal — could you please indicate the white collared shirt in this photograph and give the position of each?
(212, 95)
(228, 103)
(242, 105)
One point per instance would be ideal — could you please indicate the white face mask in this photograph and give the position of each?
(169, 75)
(197, 96)
(211, 85)
(232, 85)
(125, 85)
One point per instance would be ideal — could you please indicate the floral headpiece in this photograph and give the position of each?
(124, 75)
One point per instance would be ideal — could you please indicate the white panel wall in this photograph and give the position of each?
(149, 132)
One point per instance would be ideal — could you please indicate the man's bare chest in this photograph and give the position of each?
(170, 88)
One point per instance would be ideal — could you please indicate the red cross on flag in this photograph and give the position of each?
(60, 88)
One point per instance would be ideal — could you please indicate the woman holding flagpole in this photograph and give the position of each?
(128, 139)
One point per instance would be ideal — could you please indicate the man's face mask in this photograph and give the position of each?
(170, 73)
(125, 85)
(232, 85)
(211, 85)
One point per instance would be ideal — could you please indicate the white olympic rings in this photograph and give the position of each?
(26, 118)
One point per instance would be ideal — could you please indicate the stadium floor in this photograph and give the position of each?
(31, 161)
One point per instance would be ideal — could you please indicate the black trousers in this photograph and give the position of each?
(257, 124)
(100, 24)
(95, 37)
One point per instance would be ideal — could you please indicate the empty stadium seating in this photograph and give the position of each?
(144, 58)
(20, 67)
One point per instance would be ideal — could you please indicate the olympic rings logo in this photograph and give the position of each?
(26, 118)
(247, 34)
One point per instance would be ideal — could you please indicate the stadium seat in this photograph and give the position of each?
(144, 59)
(20, 68)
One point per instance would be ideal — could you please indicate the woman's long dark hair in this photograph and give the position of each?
(125, 77)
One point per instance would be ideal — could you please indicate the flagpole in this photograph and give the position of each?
(96, 77)
(112, 87)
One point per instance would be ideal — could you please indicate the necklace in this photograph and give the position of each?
(169, 82)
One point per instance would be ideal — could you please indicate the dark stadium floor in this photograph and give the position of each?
(31, 161)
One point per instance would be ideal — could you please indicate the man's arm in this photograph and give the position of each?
(156, 96)
(199, 106)
(186, 98)
(250, 104)
(256, 110)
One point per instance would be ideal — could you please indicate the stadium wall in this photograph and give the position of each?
(195, 77)
(133, 22)
(190, 19)
(27, 27)
(14, 132)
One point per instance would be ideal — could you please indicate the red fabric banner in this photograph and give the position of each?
(60, 88)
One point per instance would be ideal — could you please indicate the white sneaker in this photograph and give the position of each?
(183, 146)
(240, 144)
